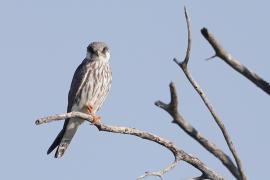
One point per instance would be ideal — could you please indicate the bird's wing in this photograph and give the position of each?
(77, 81)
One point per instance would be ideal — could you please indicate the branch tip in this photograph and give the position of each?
(185, 10)
(174, 99)
(162, 105)
(37, 122)
(172, 84)
(184, 63)
(189, 38)
(159, 103)
(212, 57)
(176, 61)
(204, 32)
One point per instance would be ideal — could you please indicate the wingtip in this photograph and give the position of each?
(49, 151)
(56, 142)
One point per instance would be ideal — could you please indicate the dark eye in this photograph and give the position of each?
(90, 49)
(105, 49)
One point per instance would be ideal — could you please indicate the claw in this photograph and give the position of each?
(96, 119)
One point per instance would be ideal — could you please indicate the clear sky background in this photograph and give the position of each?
(42, 43)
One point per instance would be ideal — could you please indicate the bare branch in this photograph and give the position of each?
(161, 172)
(183, 66)
(202, 177)
(191, 131)
(234, 63)
(186, 59)
(173, 105)
(220, 52)
(59, 117)
(189, 37)
(178, 153)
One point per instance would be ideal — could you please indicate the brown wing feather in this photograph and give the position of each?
(77, 79)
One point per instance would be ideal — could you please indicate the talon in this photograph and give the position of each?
(96, 119)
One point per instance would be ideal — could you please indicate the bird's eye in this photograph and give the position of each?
(105, 49)
(90, 49)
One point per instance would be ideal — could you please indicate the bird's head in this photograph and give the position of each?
(98, 50)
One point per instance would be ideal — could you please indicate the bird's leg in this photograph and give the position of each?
(89, 109)
(96, 118)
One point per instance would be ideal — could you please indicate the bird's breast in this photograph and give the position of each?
(94, 88)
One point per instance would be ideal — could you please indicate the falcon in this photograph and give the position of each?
(89, 87)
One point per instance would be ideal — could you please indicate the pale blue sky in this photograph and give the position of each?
(42, 43)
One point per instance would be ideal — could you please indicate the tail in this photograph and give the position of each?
(63, 139)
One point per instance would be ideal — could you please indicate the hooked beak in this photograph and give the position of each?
(98, 53)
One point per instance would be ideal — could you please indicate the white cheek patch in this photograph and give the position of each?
(108, 55)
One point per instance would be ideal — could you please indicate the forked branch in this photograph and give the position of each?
(222, 156)
(178, 119)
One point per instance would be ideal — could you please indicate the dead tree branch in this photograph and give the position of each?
(234, 63)
(217, 120)
(172, 109)
(178, 153)
(224, 158)
(161, 172)
(184, 67)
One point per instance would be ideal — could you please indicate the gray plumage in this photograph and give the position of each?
(89, 87)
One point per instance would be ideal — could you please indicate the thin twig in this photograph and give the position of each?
(172, 109)
(161, 172)
(186, 59)
(234, 63)
(178, 153)
(184, 66)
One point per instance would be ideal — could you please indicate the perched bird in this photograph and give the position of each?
(89, 87)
